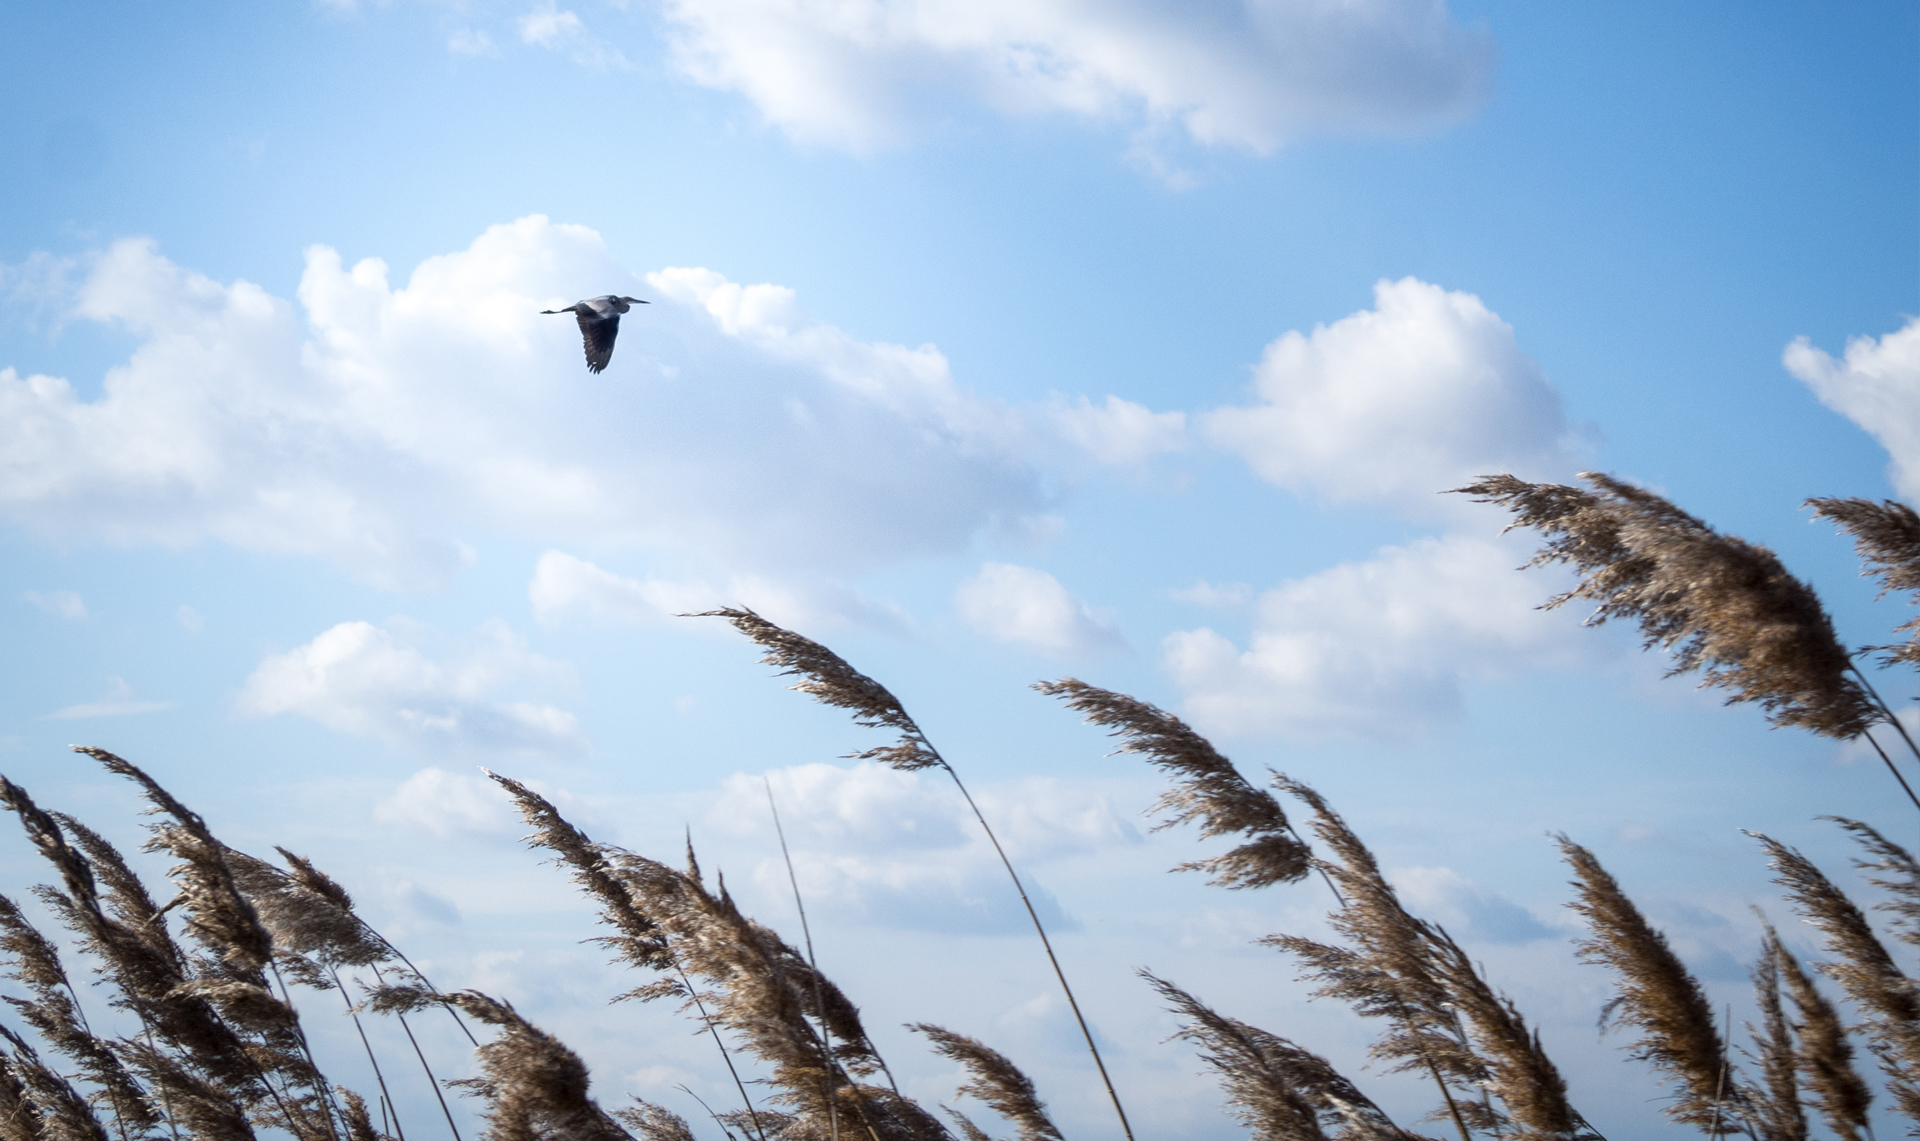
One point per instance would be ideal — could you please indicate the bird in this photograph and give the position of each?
(599, 324)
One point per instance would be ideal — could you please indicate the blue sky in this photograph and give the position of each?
(988, 342)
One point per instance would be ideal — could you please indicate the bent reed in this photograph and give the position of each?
(215, 1046)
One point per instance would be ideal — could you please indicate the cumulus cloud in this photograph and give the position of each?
(1394, 404)
(1372, 649)
(374, 425)
(60, 603)
(360, 679)
(1121, 432)
(565, 586)
(873, 844)
(1238, 73)
(1028, 607)
(1877, 386)
(447, 804)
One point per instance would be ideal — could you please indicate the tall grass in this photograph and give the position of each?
(212, 1044)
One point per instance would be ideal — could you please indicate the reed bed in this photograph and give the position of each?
(208, 1041)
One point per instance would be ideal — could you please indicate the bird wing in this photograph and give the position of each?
(598, 333)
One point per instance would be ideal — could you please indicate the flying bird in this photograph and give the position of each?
(599, 324)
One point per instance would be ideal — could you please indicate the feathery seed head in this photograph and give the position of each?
(994, 1080)
(1718, 603)
(827, 678)
(1206, 787)
(1887, 537)
(1657, 995)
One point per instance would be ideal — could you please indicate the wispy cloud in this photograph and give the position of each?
(118, 702)
(471, 42)
(60, 603)
(871, 73)
(558, 29)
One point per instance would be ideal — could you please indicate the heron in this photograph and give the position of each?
(599, 324)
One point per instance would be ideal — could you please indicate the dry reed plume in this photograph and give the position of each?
(218, 1050)
(1776, 1097)
(1823, 1057)
(1862, 967)
(995, 1081)
(1278, 1090)
(1718, 603)
(829, 679)
(1206, 787)
(1887, 537)
(1658, 996)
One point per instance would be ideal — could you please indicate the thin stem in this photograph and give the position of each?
(1890, 768)
(422, 1055)
(1720, 1086)
(725, 1055)
(813, 964)
(159, 1087)
(322, 1089)
(386, 1099)
(682, 1087)
(80, 1013)
(1887, 709)
(1039, 929)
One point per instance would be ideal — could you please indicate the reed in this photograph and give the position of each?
(1658, 996)
(829, 679)
(217, 1048)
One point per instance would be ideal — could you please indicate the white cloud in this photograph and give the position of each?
(1373, 649)
(373, 425)
(447, 804)
(871, 843)
(357, 678)
(1398, 403)
(1028, 607)
(60, 603)
(548, 26)
(866, 73)
(1121, 432)
(1877, 386)
(118, 702)
(472, 42)
(1204, 593)
(565, 586)
(1464, 908)
(190, 619)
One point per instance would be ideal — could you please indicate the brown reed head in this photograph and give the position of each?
(1392, 965)
(1206, 787)
(1717, 603)
(1862, 966)
(1823, 1054)
(994, 1080)
(827, 678)
(1279, 1090)
(1892, 869)
(1887, 537)
(1657, 995)
(1776, 1096)
(535, 1088)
